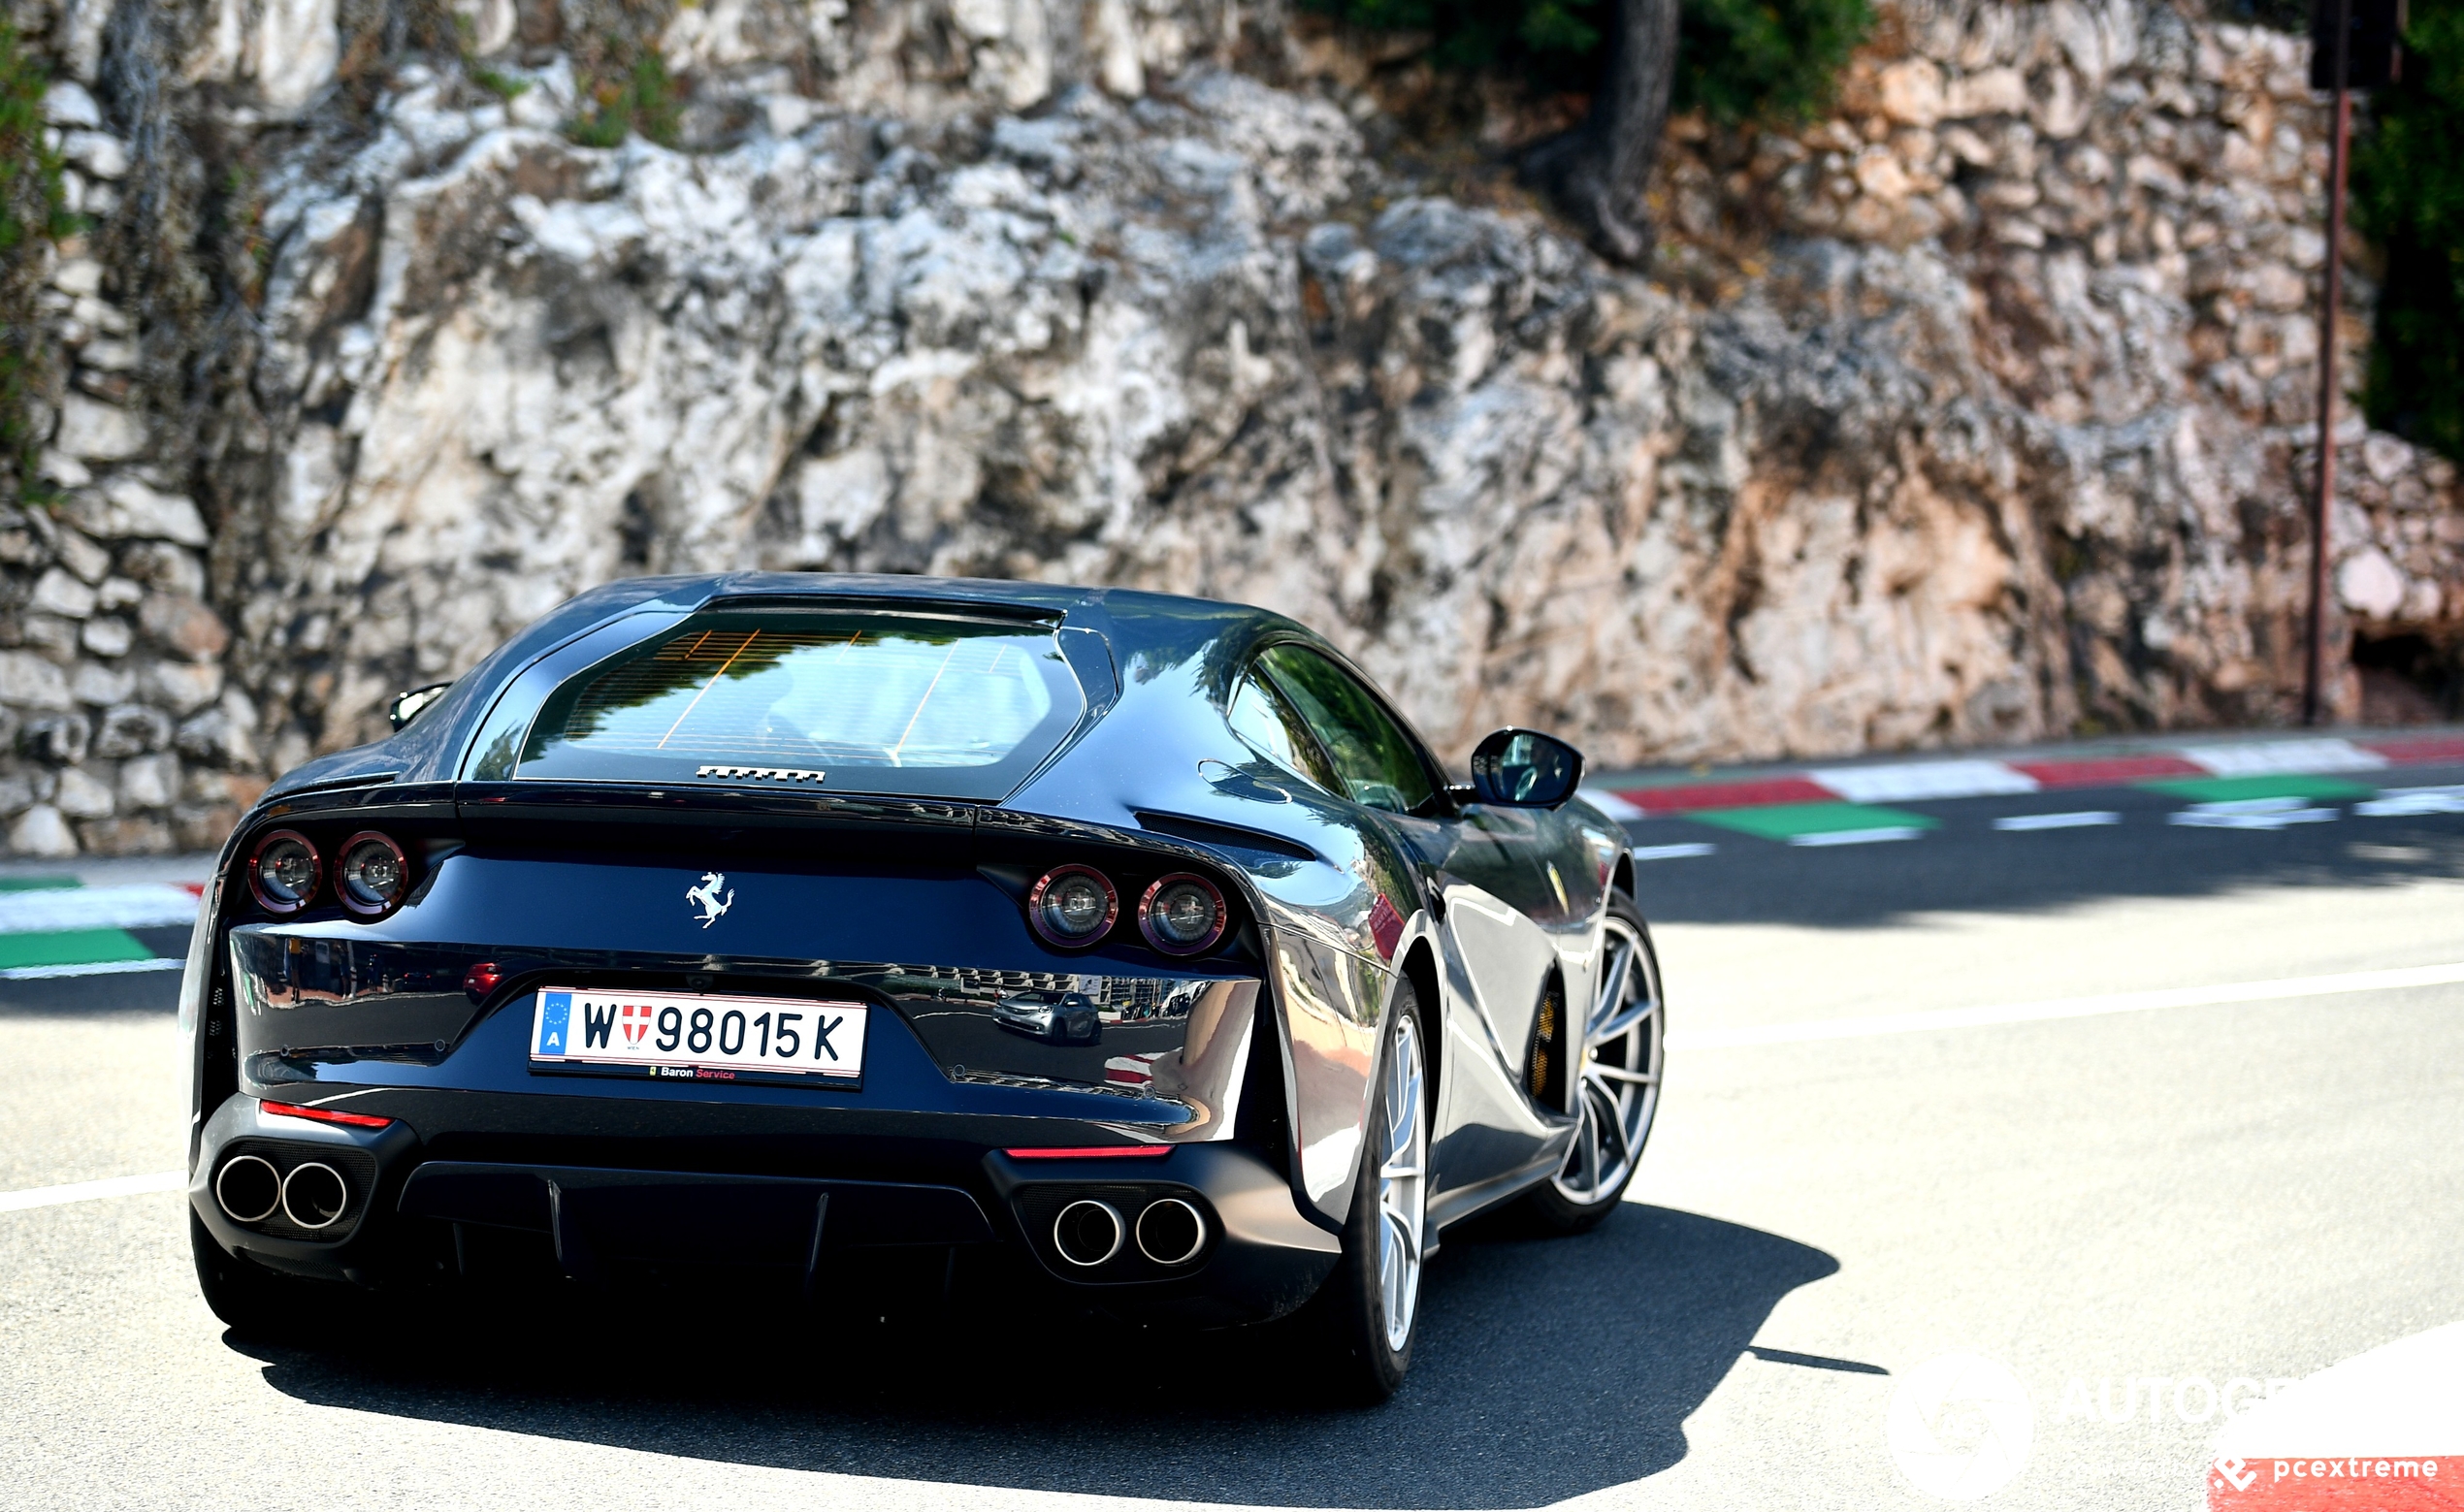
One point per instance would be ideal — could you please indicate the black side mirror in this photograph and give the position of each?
(1525, 769)
(406, 707)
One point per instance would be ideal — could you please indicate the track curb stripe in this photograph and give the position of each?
(143, 905)
(53, 927)
(2276, 991)
(1977, 778)
(90, 969)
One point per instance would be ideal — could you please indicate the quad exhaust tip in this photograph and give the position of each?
(248, 1189)
(1087, 1233)
(314, 1195)
(1170, 1232)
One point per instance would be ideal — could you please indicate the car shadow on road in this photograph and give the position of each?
(1546, 1368)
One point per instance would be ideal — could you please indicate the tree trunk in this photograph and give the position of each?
(1599, 172)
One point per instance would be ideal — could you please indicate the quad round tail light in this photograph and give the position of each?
(1181, 913)
(1072, 906)
(371, 875)
(285, 872)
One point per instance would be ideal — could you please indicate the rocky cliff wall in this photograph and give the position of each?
(1973, 413)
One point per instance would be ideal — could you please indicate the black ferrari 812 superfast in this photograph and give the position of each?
(900, 946)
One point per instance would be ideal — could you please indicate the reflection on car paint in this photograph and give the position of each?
(1333, 999)
(368, 1003)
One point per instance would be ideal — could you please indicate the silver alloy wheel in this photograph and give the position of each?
(1403, 1193)
(1620, 1063)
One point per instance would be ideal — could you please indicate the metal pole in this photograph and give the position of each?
(2315, 682)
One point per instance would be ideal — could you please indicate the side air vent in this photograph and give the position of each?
(1544, 1072)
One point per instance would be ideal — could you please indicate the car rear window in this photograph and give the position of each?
(828, 702)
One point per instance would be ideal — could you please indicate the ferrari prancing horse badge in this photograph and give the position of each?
(706, 897)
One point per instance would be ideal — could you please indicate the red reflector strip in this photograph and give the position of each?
(2418, 751)
(1090, 1152)
(2107, 771)
(326, 1116)
(1750, 793)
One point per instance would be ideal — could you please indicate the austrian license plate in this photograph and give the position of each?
(697, 1037)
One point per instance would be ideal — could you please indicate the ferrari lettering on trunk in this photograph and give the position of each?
(774, 774)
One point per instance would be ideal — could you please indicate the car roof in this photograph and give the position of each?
(1138, 626)
(1060, 596)
(1136, 614)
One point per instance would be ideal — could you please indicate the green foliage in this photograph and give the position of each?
(32, 212)
(644, 101)
(31, 201)
(1769, 60)
(1548, 27)
(2291, 17)
(504, 87)
(2407, 184)
(1554, 38)
(1737, 60)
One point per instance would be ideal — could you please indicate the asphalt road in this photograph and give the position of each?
(2217, 1190)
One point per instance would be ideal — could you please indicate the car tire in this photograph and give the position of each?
(1368, 1312)
(1618, 1096)
(246, 1296)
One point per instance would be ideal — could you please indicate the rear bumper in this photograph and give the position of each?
(482, 1199)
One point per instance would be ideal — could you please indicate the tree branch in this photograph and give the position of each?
(1599, 172)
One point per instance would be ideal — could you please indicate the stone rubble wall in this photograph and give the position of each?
(1975, 413)
(2135, 204)
(122, 731)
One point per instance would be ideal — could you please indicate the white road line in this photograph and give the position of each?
(2406, 802)
(88, 1191)
(2251, 814)
(89, 969)
(2080, 820)
(1857, 837)
(1675, 852)
(2270, 991)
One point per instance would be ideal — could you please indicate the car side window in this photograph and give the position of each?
(1376, 763)
(1260, 716)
